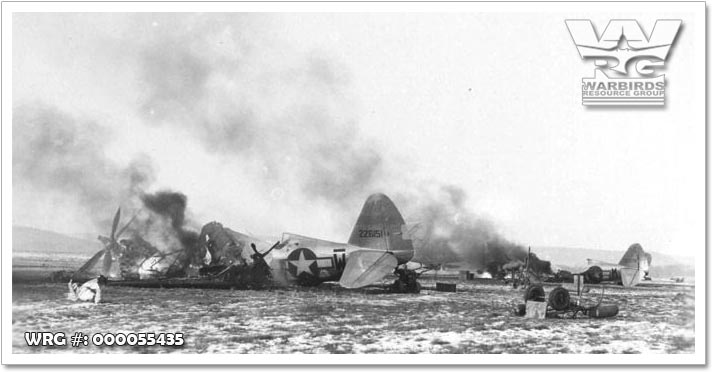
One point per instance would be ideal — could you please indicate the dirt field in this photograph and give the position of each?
(328, 319)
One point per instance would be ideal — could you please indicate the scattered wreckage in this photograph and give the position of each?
(219, 259)
(222, 258)
(559, 304)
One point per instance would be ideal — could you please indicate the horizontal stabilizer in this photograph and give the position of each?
(367, 267)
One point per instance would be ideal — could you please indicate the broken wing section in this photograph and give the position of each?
(367, 267)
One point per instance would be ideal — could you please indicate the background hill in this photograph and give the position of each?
(37, 254)
(31, 240)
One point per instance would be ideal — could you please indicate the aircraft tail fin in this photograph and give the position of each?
(380, 226)
(634, 265)
(635, 257)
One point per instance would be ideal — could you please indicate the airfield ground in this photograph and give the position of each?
(327, 319)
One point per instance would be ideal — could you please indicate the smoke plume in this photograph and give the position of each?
(284, 114)
(285, 118)
(166, 224)
(448, 232)
(63, 156)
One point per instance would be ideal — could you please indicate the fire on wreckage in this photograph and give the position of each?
(223, 258)
(379, 245)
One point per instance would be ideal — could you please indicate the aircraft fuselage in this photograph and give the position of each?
(310, 261)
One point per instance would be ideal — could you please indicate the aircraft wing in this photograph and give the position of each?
(628, 265)
(592, 262)
(367, 267)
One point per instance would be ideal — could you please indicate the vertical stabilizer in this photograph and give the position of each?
(634, 265)
(380, 226)
(636, 258)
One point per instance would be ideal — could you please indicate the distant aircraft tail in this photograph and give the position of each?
(634, 265)
(635, 257)
(380, 226)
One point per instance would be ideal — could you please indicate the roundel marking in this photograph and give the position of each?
(302, 260)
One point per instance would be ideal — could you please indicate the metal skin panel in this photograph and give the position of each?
(380, 226)
(366, 267)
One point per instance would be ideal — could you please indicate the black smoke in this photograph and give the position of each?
(285, 118)
(168, 210)
(284, 115)
(448, 232)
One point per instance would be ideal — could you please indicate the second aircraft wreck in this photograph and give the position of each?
(222, 258)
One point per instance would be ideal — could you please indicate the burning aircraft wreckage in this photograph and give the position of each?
(162, 252)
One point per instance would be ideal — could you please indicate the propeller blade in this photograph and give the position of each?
(115, 223)
(263, 254)
(271, 248)
(127, 224)
(107, 263)
(92, 261)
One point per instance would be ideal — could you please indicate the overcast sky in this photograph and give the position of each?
(287, 122)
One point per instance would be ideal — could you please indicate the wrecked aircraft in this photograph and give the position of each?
(630, 271)
(223, 258)
(376, 248)
(118, 259)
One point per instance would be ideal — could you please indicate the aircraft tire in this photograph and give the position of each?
(535, 292)
(559, 298)
(398, 286)
(416, 288)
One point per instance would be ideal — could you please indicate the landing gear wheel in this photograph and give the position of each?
(398, 286)
(535, 292)
(406, 283)
(559, 298)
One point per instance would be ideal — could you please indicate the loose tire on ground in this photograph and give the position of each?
(559, 298)
(398, 286)
(535, 292)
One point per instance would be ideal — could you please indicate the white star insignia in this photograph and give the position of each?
(302, 264)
